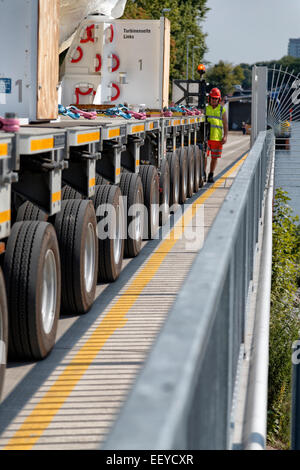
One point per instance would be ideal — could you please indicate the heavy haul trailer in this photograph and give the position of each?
(66, 171)
(50, 262)
(165, 152)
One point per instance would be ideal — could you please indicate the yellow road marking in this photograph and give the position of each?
(40, 418)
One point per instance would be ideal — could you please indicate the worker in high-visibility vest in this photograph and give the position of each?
(217, 118)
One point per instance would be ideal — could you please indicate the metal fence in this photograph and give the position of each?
(183, 397)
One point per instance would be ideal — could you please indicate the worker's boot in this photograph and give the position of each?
(210, 178)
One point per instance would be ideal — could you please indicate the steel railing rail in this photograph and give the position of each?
(183, 397)
(255, 426)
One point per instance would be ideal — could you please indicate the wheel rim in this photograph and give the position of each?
(176, 189)
(167, 196)
(118, 235)
(154, 206)
(198, 173)
(185, 180)
(49, 291)
(89, 258)
(192, 176)
(138, 217)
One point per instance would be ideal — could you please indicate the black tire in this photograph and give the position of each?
(111, 252)
(100, 180)
(197, 155)
(75, 226)
(164, 192)
(31, 261)
(191, 171)
(150, 180)
(183, 175)
(173, 159)
(68, 192)
(28, 211)
(3, 331)
(131, 187)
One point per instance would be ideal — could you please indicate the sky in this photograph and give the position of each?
(250, 31)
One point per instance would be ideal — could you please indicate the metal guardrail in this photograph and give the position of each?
(183, 397)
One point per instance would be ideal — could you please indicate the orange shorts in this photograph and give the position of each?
(214, 148)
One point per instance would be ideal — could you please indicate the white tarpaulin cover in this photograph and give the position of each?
(72, 12)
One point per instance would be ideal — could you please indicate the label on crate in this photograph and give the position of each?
(5, 85)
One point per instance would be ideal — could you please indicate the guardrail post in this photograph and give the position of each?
(259, 101)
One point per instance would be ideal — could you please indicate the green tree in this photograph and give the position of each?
(289, 63)
(185, 17)
(247, 82)
(135, 12)
(224, 76)
(292, 63)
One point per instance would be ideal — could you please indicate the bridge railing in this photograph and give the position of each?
(184, 395)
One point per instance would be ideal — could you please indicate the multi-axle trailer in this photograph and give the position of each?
(79, 192)
(75, 198)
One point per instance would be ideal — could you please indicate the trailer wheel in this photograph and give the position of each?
(197, 168)
(201, 157)
(131, 187)
(29, 211)
(68, 192)
(75, 226)
(110, 213)
(100, 180)
(3, 331)
(150, 180)
(191, 171)
(164, 192)
(173, 159)
(183, 175)
(33, 284)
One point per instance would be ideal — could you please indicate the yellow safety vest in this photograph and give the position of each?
(214, 117)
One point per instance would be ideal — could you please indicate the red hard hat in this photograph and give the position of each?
(215, 93)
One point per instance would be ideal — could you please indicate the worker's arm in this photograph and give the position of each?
(225, 127)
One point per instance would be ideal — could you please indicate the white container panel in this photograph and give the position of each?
(138, 46)
(18, 72)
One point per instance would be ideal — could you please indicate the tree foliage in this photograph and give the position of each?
(185, 17)
(224, 76)
(284, 321)
(289, 63)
